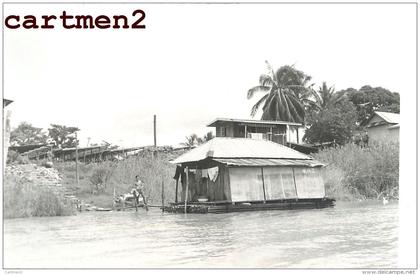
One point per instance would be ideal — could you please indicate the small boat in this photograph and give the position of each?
(103, 209)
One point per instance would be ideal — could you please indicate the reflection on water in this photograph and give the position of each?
(349, 235)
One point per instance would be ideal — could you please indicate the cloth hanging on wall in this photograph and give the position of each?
(180, 172)
(204, 173)
(212, 173)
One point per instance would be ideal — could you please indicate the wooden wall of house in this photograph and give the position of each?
(238, 131)
(275, 183)
(279, 183)
(309, 182)
(279, 134)
(246, 184)
(225, 130)
(383, 133)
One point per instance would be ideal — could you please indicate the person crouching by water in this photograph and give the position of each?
(138, 191)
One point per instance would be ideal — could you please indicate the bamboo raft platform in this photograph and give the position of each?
(226, 207)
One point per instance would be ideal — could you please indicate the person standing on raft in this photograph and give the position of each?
(138, 191)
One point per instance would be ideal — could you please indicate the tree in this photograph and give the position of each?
(325, 97)
(208, 136)
(194, 140)
(62, 136)
(26, 134)
(285, 91)
(335, 123)
(368, 100)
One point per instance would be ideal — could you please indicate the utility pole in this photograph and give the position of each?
(154, 129)
(77, 161)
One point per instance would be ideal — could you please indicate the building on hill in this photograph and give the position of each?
(384, 127)
(281, 132)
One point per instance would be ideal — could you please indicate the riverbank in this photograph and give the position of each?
(98, 182)
(31, 190)
(361, 173)
(352, 174)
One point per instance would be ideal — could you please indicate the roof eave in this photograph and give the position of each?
(214, 122)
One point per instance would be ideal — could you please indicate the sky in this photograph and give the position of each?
(194, 63)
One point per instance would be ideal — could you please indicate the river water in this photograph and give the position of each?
(351, 235)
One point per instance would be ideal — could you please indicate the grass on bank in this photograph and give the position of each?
(352, 173)
(24, 199)
(355, 173)
(98, 180)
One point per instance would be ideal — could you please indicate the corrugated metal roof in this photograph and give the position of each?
(389, 117)
(252, 121)
(223, 147)
(270, 162)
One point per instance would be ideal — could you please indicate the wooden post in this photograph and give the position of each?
(294, 181)
(163, 196)
(262, 176)
(246, 133)
(186, 193)
(77, 162)
(154, 129)
(176, 191)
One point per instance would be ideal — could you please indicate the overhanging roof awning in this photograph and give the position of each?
(252, 121)
(269, 162)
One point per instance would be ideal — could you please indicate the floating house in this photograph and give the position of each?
(236, 174)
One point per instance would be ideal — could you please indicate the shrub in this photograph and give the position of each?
(357, 172)
(152, 171)
(12, 156)
(100, 176)
(152, 167)
(23, 199)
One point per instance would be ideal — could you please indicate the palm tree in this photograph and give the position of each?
(194, 140)
(286, 92)
(325, 97)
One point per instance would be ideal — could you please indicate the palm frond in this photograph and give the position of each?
(284, 107)
(298, 109)
(270, 70)
(266, 80)
(269, 103)
(257, 105)
(255, 89)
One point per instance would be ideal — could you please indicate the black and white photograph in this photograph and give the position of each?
(195, 135)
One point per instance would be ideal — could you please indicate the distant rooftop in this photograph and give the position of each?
(389, 117)
(273, 122)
